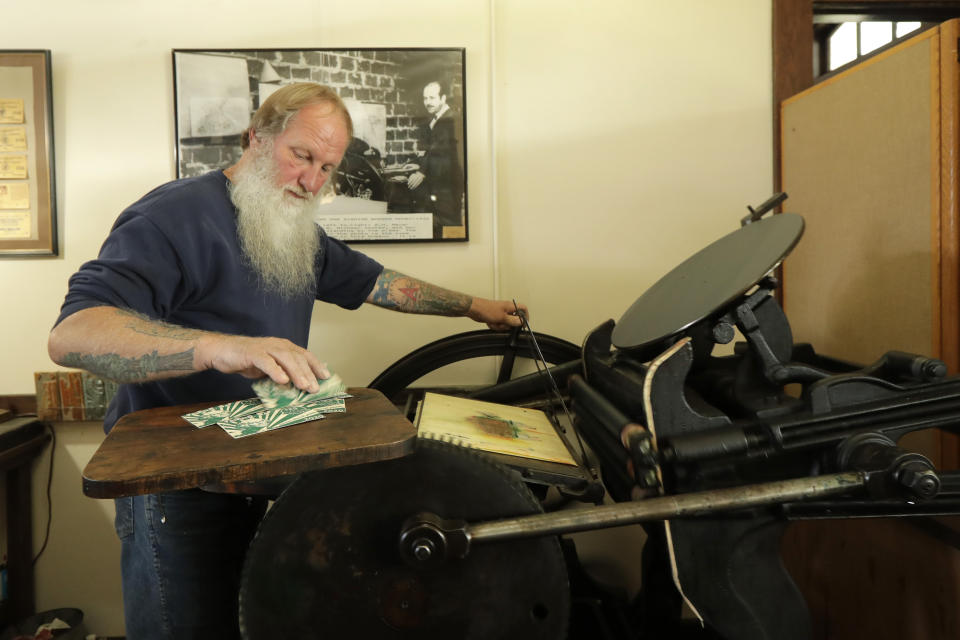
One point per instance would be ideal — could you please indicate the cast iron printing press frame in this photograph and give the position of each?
(714, 447)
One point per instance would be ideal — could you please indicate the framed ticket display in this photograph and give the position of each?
(28, 217)
(403, 177)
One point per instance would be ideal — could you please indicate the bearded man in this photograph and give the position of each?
(202, 285)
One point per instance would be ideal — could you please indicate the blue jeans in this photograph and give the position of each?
(182, 557)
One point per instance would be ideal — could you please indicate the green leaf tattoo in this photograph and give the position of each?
(122, 369)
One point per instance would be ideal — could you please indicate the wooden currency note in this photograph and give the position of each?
(275, 395)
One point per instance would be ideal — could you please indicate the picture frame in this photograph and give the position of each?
(28, 211)
(404, 176)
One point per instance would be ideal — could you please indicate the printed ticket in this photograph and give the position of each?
(15, 195)
(13, 167)
(13, 139)
(14, 225)
(11, 111)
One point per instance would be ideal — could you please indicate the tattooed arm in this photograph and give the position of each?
(399, 292)
(128, 347)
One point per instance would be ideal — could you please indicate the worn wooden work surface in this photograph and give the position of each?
(156, 450)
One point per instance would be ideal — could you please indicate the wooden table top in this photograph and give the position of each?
(156, 450)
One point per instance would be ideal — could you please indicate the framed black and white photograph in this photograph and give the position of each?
(402, 179)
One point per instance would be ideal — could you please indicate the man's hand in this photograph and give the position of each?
(415, 180)
(283, 361)
(497, 314)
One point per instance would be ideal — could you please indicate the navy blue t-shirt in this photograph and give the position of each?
(174, 256)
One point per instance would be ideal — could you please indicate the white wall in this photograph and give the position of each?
(628, 139)
(623, 135)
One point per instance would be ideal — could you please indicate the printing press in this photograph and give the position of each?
(714, 454)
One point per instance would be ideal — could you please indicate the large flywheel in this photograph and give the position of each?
(326, 563)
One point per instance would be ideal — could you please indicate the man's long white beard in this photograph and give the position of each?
(276, 231)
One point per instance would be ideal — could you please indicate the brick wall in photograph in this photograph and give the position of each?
(374, 76)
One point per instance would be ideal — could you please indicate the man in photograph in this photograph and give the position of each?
(438, 184)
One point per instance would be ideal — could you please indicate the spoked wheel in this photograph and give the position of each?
(514, 348)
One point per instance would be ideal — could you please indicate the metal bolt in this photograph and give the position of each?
(934, 369)
(723, 332)
(422, 549)
(927, 486)
(924, 483)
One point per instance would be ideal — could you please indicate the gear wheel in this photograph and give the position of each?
(325, 562)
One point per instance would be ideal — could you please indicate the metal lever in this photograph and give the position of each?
(427, 539)
(771, 203)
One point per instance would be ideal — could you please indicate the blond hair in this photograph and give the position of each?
(275, 113)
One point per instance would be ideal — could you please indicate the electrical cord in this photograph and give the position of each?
(46, 535)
